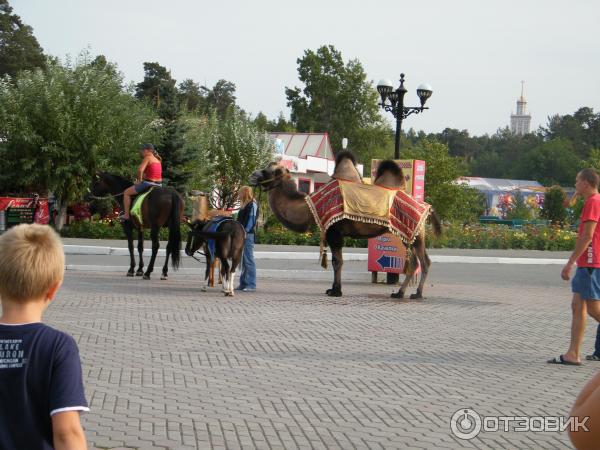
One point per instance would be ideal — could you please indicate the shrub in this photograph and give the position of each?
(554, 206)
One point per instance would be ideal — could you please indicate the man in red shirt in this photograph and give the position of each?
(586, 282)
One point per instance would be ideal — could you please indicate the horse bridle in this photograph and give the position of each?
(95, 197)
(192, 233)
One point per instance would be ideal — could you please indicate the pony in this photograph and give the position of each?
(229, 236)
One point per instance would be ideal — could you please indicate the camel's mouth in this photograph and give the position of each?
(255, 178)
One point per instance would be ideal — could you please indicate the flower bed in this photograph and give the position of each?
(502, 237)
(454, 236)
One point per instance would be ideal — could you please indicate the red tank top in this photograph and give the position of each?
(153, 171)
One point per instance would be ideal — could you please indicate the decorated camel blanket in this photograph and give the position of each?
(395, 209)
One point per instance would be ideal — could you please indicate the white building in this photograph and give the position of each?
(521, 121)
(308, 156)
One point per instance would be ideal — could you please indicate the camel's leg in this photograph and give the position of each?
(336, 243)
(407, 278)
(424, 262)
(140, 247)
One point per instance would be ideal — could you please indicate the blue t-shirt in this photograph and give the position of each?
(40, 375)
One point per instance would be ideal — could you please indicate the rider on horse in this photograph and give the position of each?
(149, 174)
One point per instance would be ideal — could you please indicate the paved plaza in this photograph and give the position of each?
(169, 367)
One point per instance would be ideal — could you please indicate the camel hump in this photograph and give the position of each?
(344, 154)
(389, 174)
(345, 167)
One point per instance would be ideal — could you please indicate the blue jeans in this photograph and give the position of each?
(248, 275)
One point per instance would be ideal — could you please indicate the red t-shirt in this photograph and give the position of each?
(591, 212)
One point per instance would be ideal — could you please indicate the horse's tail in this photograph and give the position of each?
(436, 222)
(174, 242)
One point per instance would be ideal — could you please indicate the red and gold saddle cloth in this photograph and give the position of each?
(395, 209)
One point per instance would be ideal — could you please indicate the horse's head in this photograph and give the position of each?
(267, 178)
(100, 186)
(194, 239)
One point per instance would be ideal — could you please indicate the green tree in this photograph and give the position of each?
(158, 87)
(452, 201)
(19, 49)
(554, 206)
(226, 151)
(337, 98)
(221, 97)
(582, 129)
(191, 96)
(552, 162)
(59, 126)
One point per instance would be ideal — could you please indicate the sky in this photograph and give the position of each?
(473, 53)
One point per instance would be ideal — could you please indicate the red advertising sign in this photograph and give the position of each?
(386, 254)
(41, 214)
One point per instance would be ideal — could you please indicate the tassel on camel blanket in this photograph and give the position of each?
(323, 253)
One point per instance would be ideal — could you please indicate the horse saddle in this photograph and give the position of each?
(136, 207)
(212, 226)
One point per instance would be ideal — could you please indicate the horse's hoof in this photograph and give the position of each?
(203, 289)
(129, 274)
(139, 273)
(334, 292)
(417, 296)
(146, 277)
(398, 294)
(164, 277)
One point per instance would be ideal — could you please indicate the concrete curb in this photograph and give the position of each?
(324, 275)
(314, 256)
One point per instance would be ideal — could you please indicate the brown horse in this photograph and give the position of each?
(290, 207)
(229, 236)
(163, 207)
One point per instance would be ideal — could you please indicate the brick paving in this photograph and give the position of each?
(169, 367)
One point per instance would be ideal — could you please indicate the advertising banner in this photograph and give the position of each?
(25, 210)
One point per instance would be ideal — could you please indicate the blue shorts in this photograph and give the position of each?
(586, 283)
(145, 185)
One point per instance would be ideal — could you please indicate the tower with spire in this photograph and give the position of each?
(521, 121)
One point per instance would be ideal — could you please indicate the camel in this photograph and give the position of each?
(291, 209)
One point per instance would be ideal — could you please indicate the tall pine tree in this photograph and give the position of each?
(19, 49)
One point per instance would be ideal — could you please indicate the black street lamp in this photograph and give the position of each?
(396, 104)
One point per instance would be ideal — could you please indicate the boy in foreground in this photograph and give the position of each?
(41, 386)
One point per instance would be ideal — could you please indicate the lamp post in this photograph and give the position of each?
(395, 105)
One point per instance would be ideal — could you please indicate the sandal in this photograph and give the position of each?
(592, 358)
(560, 360)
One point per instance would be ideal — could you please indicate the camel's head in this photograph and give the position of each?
(268, 177)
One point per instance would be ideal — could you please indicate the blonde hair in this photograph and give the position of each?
(245, 195)
(31, 262)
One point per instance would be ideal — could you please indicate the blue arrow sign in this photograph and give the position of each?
(389, 262)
